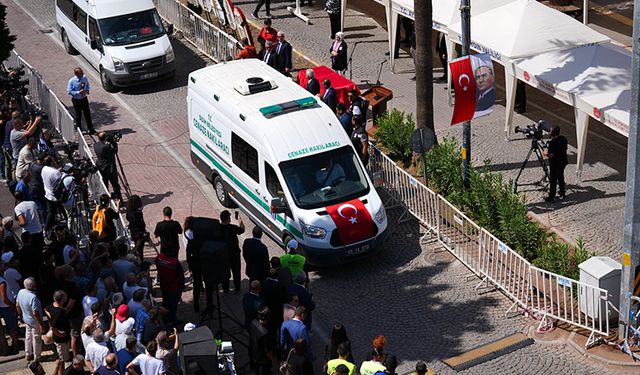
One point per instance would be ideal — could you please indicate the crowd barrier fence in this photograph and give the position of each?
(45, 100)
(206, 37)
(529, 287)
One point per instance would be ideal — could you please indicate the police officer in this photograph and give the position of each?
(106, 154)
(557, 153)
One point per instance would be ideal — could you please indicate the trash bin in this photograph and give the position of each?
(601, 272)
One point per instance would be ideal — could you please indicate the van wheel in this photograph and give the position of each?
(67, 44)
(221, 193)
(106, 82)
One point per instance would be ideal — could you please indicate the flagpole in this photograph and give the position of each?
(465, 15)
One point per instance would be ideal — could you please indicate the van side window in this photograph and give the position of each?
(273, 184)
(244, 156)
(66, 6)
(80, 19)
(94, 34)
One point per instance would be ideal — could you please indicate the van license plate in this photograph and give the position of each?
(358, 250)
(149, 75)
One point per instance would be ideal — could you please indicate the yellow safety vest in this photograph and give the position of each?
(332, 364)
(371, 367)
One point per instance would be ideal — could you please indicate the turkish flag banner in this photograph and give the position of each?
(465, 89)
(353, 221)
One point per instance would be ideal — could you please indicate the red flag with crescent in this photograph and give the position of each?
(465, 89)
(353, 221)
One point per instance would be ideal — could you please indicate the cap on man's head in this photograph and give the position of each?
(356, 111)
(293, 244)
(6, 257)
(189, 327)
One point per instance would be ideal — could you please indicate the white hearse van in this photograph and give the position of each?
(124, 40)
(282, 156)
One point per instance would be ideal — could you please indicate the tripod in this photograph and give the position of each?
(123, 178)
(536, 147)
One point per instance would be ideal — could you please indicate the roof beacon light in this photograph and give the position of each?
(294, 105)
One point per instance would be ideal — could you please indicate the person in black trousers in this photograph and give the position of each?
(78, 88)
(557, 153)
(267, 6)
(333, 8)
(231, 233)
(256, 256)
(441, 50)
(106, 162)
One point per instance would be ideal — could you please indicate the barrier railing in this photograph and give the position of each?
(504, 268)
(206, 37)
(532, 288)
(570, 301)
(45, 100)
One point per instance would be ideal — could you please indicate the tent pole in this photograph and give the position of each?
(585, 12)
(510, 82)
(451, 51)
(582, 131)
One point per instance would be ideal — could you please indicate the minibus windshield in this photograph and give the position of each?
(131, 28)
(325, 179)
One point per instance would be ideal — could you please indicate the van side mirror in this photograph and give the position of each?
(378, 180)
(278, 206)
(170, 29)
(94, 44)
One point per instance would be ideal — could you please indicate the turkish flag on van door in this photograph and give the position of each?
(474, 85)
(353, 221)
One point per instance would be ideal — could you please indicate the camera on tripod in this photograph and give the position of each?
(11, 82)
(534, 131)
(114, 138)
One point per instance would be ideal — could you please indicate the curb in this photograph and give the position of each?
(540, 220)
(585, 353)
(11, 358)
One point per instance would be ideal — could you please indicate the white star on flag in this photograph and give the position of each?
(353, 220)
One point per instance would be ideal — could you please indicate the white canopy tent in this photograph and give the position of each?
(595, 80)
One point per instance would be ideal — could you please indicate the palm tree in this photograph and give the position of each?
(424, 65)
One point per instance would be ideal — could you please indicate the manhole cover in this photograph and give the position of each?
(46, 31)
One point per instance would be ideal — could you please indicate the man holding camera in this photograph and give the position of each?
(557, 153)
(106, 149)
(78, 88)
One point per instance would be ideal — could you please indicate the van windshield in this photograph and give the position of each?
(325, 179)
(131, 28)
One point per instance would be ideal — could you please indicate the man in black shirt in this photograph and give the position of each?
(168, 231)
(557, 153)
(231, 233)
(106, 162)
(263, 343)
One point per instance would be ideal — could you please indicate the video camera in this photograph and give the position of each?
(82, 167)
(12, 84)
(114, 138)
(534, 131)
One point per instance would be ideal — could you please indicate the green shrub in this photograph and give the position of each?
(492, 204)
(394, 133)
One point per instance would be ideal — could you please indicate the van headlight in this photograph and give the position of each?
(118, 65)
(381, 215)
(312, 230)
(169, 54)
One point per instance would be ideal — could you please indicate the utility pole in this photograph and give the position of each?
(465, 16)
(631, 256)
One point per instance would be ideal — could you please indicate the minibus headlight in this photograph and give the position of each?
(381, 215)
(169, 54)
(312, 230)
(118, 65)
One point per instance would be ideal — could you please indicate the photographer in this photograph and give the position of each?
(78, 88)
(556, 152)
(106, 149)
(19, 135)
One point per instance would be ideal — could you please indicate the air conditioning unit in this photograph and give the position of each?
(254, 85)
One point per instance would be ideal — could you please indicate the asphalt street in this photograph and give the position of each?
(414, 293)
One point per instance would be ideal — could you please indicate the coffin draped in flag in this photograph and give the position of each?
(474, 84)
(353, 221)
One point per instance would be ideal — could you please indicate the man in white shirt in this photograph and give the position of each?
(96, 351)
(28, 216)
(148, 363)
(11, 275)
(50, 175)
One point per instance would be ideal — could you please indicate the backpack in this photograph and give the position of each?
(60, 192)
(99, 220)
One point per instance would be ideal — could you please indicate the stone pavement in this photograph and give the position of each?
(416, 294)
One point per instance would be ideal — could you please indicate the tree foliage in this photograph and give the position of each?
(6, 39)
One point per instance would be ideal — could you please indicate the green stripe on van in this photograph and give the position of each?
(295, 231)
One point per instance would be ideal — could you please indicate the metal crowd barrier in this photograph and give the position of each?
(207, 38)
(504, 268)
(529, 287)
(570, 301)
(42, 97)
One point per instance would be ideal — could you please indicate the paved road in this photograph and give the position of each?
(413, 293)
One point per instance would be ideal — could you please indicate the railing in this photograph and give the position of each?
(42, 97)
(532, 288)
(207, 38)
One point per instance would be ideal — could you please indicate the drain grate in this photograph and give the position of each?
(46, 31)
